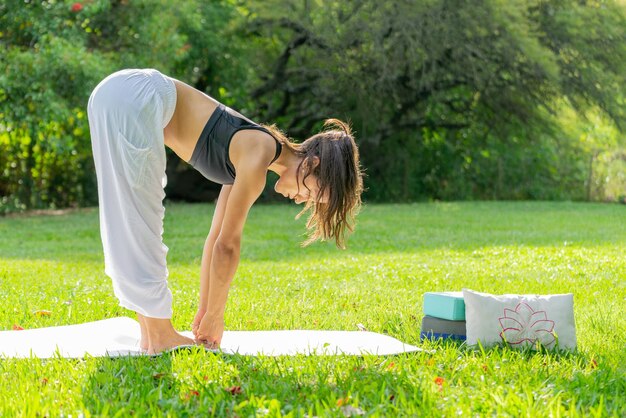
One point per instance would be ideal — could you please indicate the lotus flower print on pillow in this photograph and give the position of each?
(520, 320)
(527, 327)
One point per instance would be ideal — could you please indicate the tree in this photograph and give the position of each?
(53, 53)
(451, 99)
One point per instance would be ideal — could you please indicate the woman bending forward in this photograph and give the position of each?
(132, 115)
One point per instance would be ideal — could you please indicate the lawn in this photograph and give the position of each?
(398, 252)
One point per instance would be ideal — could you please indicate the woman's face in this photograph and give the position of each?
(297, 188)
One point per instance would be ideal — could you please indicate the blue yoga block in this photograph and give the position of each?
(445, 305)
(429, 335)
(443, 326)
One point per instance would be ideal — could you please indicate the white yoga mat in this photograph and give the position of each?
(120, 337)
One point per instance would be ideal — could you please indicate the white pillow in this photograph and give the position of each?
(520, 320)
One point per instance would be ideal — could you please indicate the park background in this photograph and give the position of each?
(450, 100)
(455, 104)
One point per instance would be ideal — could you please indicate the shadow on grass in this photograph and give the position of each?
(199, 383)
(250, 386)
(589, 382)
(327, 385)
(131, 386)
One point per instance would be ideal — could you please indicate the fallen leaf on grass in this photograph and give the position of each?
(191, 394)
(17, 328)
(234, 390)
(43, 313)
(343, 401)
(439, 382)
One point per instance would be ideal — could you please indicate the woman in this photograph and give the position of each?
(132, 115)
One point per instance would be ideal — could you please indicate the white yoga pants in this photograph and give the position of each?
(127, 113)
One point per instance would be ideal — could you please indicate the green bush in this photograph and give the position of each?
(45, 152)
(53, 54)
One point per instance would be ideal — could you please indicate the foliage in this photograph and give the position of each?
(53, 54)
(450, 99)
(398, 253)
(44, 138)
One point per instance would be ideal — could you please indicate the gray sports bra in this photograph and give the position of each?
(210, 155)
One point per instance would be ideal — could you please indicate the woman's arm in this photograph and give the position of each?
(205, 265)
(251, 163)
(216, 227)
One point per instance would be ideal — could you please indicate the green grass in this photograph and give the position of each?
(398, 253)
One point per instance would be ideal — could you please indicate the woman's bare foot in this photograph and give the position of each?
(143, 343)
(174, 340)
(162, 335)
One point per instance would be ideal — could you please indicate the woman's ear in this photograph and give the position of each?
(314, 161)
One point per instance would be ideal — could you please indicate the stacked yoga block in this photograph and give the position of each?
(444, 315)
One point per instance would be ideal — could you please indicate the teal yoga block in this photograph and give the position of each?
(445, 305)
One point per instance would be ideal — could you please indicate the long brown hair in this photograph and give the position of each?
(339, 174)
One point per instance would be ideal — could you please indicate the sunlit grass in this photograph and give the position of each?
(398, 253)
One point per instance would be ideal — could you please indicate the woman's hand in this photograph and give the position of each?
(196, 321)
(210, 331)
